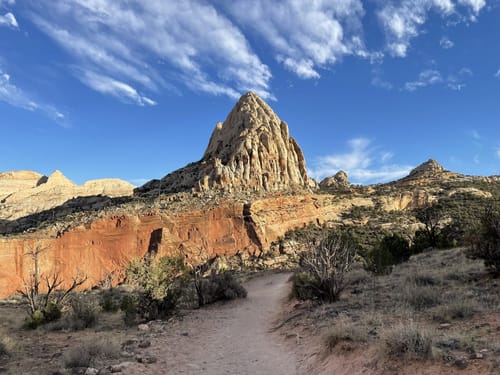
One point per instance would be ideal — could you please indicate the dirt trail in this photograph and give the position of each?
(231, 338)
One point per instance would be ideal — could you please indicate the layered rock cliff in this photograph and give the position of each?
(25, 193)
(251, 150)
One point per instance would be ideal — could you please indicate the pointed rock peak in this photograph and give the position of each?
(340, 180)
(58, 178)
(430, 167)
(251, 150)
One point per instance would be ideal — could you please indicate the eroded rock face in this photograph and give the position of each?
(24, 193)
(251, 150)
(429, 168)
(107, 245)
(339, 181)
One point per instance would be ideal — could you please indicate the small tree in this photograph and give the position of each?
(323, 268)
(391, 250)
(431, 217)
(159, 282)
(484, 241)
(45, 306)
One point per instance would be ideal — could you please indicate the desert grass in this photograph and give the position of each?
(88, 353)
(408, 341)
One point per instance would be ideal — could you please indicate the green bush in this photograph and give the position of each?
(303, 286)
(484, 241)
(128, 305)
(392, 249)
(221, 287)
(159, 284)
(109, 302)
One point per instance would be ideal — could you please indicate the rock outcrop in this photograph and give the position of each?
(24, 193)
(251, 150)
(339, 181)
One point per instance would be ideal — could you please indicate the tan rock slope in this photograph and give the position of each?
(252, 150)
(24, 193)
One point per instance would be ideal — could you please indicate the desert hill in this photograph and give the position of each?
(249, 190)
(251, 150)
(24, 193)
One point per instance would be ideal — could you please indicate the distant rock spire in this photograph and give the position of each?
(251, 150)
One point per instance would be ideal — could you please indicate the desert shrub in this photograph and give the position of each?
(407, 341)
(423, 279)
(345, 331)
(323, 267)
(88, 353)
(392, 249)
(109, 301)
(159, 284)
(303, 286)
(458, 309)
(128, 305)
(421, 297)
(220, 286)
(484, 241)
(83, 313)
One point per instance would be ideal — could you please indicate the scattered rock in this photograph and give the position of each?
(143, 327)
(146, 359)
(120, 367)
(91, 371)
(104, 371)
(461, 363)
(444, 326)
(477, 356)
(144, 344)
(185, 334)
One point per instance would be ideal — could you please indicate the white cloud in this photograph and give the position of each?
(305, 35)
(8, 19)
(403, 21)
(362, 164)
(446, 43)
(429, 77)
(120, 90)
(7, 2)
(475, 5)
(497, 153)
(497, 74)
(476, 159)
(426, 78)
(14, 96)
(156, 44)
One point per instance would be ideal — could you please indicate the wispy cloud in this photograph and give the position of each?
(430, 77)
(362, 162)
(305, 35)
(426, 78)
(497, 74)
(156, 44)
(446, 43)
(15, 96)
(497, 153)
(120, 90)
(475, 135)
(403, 21)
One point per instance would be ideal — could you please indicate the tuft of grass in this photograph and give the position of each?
(88, 353)
(7, 346)
(421, 297)
(458, 309)
(345, 330)
(408, 341)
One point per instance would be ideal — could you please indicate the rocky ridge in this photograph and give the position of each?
(251, 150)
(24, 193)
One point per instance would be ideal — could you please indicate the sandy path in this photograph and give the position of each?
(231, 338)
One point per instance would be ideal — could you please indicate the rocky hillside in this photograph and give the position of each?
(249, 189)
(24, 193)
(252, 151)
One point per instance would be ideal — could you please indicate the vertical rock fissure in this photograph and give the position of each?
(250, 226)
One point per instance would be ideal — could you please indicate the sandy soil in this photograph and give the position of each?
(230, 338)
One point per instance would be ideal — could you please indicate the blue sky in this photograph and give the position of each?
(133, 89)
